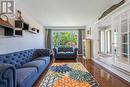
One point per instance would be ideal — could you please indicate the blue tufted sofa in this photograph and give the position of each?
(65, 52)
(22, 69)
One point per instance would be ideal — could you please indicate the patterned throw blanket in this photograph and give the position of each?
(68, 75)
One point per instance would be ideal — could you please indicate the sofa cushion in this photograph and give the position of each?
(46, 59)
(25, 75)
(69, 52)
(40, 58)
(65, 53)
(39, 64)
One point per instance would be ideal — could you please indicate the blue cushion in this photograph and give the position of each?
(69, 52)
(46, 59)
(25, 76)
(39, 64)
(41, 58)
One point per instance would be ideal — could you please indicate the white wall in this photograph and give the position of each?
(27, 41)
(95, 41)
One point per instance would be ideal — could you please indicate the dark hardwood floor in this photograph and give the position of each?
(105, 77)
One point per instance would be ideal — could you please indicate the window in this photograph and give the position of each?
(105, 41)
(108, 42)
(102, 41)
(64, 38)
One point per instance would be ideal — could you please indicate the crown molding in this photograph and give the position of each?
(65, 27)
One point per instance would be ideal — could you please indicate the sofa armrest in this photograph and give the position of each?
(55, 51)
(7, 75)
(75, 51)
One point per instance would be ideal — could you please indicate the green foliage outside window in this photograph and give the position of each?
(65, 39)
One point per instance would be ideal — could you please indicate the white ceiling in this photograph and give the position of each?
(66, 12)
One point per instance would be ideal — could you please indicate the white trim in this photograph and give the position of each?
(65, 27)
(115, 12)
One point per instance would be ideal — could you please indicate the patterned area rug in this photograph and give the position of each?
(68, 75)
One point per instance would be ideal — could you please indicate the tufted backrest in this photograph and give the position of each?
(17, 58)
(65, 49)
(41, 53)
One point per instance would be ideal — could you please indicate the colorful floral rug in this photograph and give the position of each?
(68, 75)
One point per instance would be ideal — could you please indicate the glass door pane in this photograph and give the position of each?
(124, 25)
(129, 22)
(124, 38)
(108, 38)
(102, 41)
(129, 34)
(124, 54)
